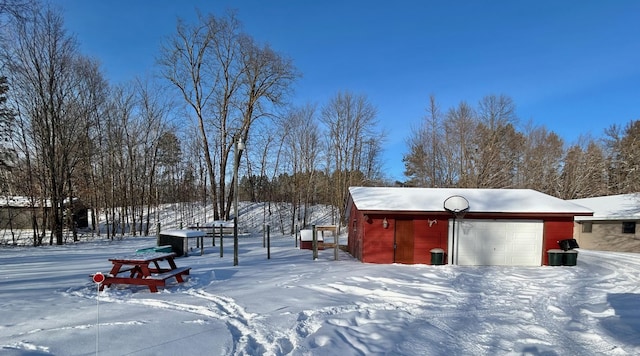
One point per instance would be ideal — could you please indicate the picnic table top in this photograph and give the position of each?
(143, 257)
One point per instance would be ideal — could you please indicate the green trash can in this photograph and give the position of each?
(570, 258)
(437, 256)
(555, 257)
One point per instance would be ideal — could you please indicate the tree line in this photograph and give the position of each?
(125, 149)
(481, 147)
(68, 135)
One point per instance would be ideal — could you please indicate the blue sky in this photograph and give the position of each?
(572, 66)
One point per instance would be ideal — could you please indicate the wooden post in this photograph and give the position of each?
(221, 247)
(264, 231)
(213, 235)
(198, 240)
(201, 238)
(268, 242)
(158, 234)
(296, 232)
(185, 246)
(335, 248)
(314, 243)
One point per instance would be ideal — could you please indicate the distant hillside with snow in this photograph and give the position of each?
(252, 219)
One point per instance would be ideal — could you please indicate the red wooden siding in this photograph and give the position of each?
(370, 242)
(429, 237)
(377, 243)
(554, 231)
(377, 246)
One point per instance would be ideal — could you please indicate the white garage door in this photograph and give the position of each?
(498, 242)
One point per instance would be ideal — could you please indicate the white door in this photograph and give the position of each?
(497, 242)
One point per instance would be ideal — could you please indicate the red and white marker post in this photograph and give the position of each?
(98, 278)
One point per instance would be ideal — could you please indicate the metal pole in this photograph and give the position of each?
(268, 242)
(239, 148)
(235, 209)
(454, 258)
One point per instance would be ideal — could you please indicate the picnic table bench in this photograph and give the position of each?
(144, 269)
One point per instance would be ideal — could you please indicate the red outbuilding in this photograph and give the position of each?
(511, 227)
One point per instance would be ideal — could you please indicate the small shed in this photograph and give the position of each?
(511, 227)
(614, 224)
(179, 240)
(17, 212)
(306, 239)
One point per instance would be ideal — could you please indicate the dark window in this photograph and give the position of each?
(629, 227)
(587, 226)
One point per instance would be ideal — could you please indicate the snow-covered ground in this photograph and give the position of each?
(292, 305)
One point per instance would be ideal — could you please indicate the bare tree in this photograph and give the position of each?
(541, 161)
(229, 82)
(613, 146)
(303, 147)
(623, 147)
(8, 153)
(424, 162)
(574, 177)
(583, 170)
(350, 122)
(16, 11)
(597, 169)
(498, 144)
(46, 71)
(460, 146)
(265, 82)
(201, 72)
(155, 140)
(88, 105)
(16, 8)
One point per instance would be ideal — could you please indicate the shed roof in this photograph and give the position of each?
(18, 201)
(480, 200)
(183, 233)
(611, 207)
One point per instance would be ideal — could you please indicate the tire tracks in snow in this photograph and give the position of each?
(554, 315)
(246, 329)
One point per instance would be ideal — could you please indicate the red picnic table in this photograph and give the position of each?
(141, 273)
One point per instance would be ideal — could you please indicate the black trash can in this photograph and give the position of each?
(570, 258)
(568, 244)
(555, 257)
(437, 256)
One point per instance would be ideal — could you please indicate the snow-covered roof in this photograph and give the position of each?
(218, 223)
(480, 200)
(18, 201)
(183, 233)
(611, 207)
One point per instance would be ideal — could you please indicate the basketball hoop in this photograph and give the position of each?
(458, 206)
